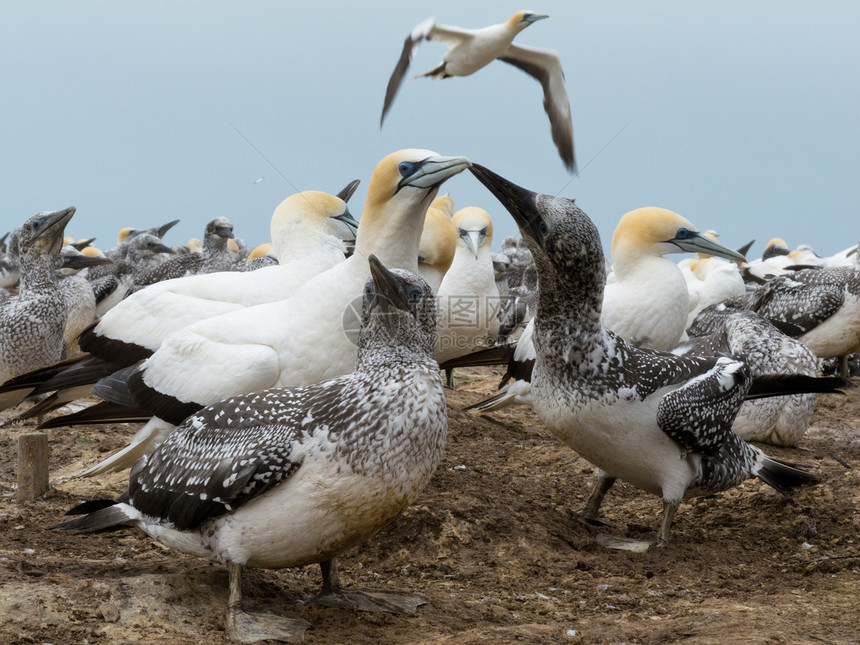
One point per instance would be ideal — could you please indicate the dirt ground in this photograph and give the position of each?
(493, 543)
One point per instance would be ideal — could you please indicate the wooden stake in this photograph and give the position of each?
(32, 466)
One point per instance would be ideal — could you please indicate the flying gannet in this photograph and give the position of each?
(472, 49)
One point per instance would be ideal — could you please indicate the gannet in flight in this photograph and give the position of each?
(472, 49)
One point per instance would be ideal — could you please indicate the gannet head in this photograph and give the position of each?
(127, 233)
(195, 245)
(75, 261)
(474, 228)
(220, 229)
(657, 231)
(260, 251)
(307, 217)
(776, 246)
(42, 234)
(400, 190)
(92, 252)
(445, 204)
(146, 245)
(563, 240)
(436, 246)
(398, 308)
(522, 19)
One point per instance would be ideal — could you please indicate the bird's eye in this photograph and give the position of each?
(484, 231)
(414, 295)
(461, 232)
(406, 168)
(682, 233)
(543, 227)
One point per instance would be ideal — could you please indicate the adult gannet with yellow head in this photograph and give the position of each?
(472, 49)
(303, 339)
(469, 298)
(648, 303)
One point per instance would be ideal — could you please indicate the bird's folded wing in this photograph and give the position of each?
(796, 308)
(699, 414)
(545, 66)
(212, 464)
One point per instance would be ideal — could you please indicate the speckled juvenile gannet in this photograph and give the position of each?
(472, 49)
(778, 420)
(819, 307)
(647, 303)
(32, 323)
(468, 297)
(290, 477)
(299, 340)
(658, 421)
(215, 256)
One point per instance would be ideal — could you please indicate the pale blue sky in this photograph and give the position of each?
(742, 116)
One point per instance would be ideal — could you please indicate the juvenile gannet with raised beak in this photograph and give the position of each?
(304, 339)
(468, 297)
(290, 477)
(32, 323)
(647, 303)
(658, 421)
(472, 49)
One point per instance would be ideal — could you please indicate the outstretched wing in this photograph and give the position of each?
(545, 66)
(410, 47)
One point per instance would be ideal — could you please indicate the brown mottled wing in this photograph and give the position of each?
(545, 66)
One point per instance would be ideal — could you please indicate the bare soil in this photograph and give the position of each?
(494, 543)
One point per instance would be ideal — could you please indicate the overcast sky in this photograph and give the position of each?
(742, 116)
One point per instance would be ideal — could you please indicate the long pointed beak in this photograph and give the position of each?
(351, 224)
(348, 190)
(473, 240)
(536, 16)
(160, 231)
(701, 244)
(520, 202)
(161, 248)
(386, 286)
(224, 231)
(435, 170)
(55, 224)
(80, 262)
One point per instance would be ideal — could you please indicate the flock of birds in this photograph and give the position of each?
(291, 395)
